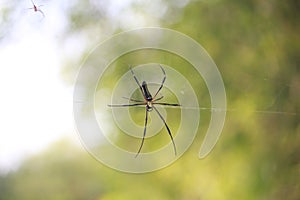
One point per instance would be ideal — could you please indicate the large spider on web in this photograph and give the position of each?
(149, 102)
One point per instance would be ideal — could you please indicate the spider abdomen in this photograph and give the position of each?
(146, 92)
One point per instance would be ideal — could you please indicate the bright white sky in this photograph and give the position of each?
(36, 106)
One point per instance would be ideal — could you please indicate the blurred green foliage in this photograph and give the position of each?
(256, 46)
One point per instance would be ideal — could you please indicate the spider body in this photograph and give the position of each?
(36, 8)
(147, 96)
(149, 102)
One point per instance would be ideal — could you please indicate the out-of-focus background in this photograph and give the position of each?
(256, 47)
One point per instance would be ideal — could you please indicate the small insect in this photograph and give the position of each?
(149, 102)
(37, 8)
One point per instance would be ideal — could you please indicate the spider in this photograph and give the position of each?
(149, 102)
(36, 8)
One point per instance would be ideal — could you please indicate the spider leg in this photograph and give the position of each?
(39, 10)
(166, 104)
(134, 100)
(158, 98)
(163, 81)
(144, 134)
(126, 105)
(169, 131)
(136, 80)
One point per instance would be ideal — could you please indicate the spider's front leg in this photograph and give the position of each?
(144, 134)
(168, 129)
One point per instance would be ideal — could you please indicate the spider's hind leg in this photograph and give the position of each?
(162, 82)
(136, 80)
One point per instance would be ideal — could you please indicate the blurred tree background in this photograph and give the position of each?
(256, 47)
